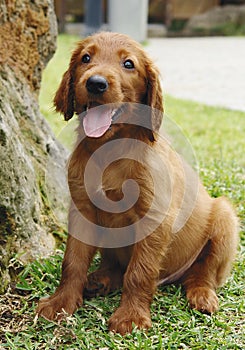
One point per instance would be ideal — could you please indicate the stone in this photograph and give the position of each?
(216, 21)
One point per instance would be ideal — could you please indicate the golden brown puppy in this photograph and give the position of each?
(173, 232)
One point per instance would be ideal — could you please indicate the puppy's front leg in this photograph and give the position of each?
(139, 285)
(68, 296)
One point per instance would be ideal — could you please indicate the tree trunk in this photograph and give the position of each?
(27, 145)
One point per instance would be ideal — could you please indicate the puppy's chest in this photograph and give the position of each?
(120, 198)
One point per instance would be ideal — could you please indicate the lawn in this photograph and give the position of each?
(217, 137)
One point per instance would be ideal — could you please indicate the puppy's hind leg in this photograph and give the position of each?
(213, 265)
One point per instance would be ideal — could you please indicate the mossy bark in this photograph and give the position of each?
(27, 145)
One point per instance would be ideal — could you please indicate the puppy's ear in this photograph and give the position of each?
(64, 97)
(154, 96)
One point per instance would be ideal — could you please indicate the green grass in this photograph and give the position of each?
(217, 136)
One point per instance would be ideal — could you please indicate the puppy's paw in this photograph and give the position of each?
(203, 299)
(102, 282)
(98, 284)
(123, 320)
(58, 306)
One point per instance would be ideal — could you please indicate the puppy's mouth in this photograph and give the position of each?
(99, 118)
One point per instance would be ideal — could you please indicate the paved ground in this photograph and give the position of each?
(208, 70)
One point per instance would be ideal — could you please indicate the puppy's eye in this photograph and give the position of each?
(128, 64)
(86, 58)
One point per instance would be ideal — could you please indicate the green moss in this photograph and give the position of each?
(226, 29)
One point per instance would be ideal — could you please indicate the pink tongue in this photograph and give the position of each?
(97, 121)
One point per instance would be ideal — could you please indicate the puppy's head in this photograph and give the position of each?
(108, 69)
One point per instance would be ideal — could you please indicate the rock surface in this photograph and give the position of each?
(27, 145)
(217, 21)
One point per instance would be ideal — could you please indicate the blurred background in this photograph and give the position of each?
(152, 18)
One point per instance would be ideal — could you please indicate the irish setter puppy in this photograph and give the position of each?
(172, 232)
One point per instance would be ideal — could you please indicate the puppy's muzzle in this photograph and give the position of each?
(96, 84)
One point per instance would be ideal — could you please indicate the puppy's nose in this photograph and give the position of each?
(96, 84)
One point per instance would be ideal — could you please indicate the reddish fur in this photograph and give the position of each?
(139, 267)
